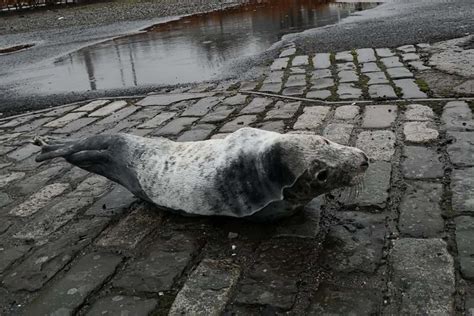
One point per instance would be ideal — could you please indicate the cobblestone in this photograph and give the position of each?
(322, 83)
(67, 294)
(321, 73)
(318, 94)
(167, 99)
(461, 148)
(365, 55)
(391, 62)
(399, 73)
(423, 270)
(377, 77)
(238, 122)
(157, 120)
(301, 60)
(419, 132)
(321, 61)
(344, 56)
(207, 290)
(369, 67)
(338, 132)
(346, 112)
(312, 117)
(23, 152)
(420, 212)
(257, 105)
(378, 145)
(409, 88)
(418, 112)
(201, 107)
(123, 305)
(348, 91)
(175, 126)
(279, 64)
(462, 187)
(283, 110)
(384, 52)
(382, 91)
(464, 240)
(421, 163)
(39, 199)
(162, 264)
(457, 116)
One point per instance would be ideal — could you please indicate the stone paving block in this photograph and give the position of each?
(23, 152)
(399, 73)
(297, 71)
(207, 290)
(6, 178)
(296, 81)
(163, 263)
(130, 230)
(91, 106)
(376, 185)
(312, 117)
(322, 83)
(65, 295)
(365, 55)
(123, 305)
(75, 125)
(272, 126)
(346, 112)
(321, 73)
(418, 65)
(201, 107)
(321, 61)
(331, 300)
(409, 88)
(420, 132)
(198, 132)
(8, 136)
(16, 121)
(318, 94)
(466, 87)
(274, 77)
(421, 163)
(464, 241)
(5, 199)
(53, 218)
(218, 114)
(384, 52)
(348, 91)
(457, 116)
(288, 52)
(378, 145)
(348, 76)
(283, 110)
(257, 105)
(248, 85)
(379, 116)
(33, 125)
(410, 57)
(115, 202)
(92, 186)
(346, 67)
(237, 123)
(176, 126)
(338, 132)
(391, 62)
(462, 187)
(38, 268)
(157, 120)
(418, 112)
(271, 87)
(344, 56)
(294, 91)
(169, 98)
(119, 115)
(279, 64)
(108, 109)
(10, 255)
(57, 111)
(273, 279)
(355, 244)
(383, 91)
(301, 60)
(219, 136)
(423, 276)
(237, 99)
(369, 67)
(420, 212)
(37, 181)
(461, 148)
(39, 199)
(377, 78)
(407, 49)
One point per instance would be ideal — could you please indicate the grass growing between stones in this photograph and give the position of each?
(422, 85)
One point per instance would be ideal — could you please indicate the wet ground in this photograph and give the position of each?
(191, 49)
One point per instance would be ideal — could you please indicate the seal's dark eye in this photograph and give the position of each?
(326, 141)
(322, 176)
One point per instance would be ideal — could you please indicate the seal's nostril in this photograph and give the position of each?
(365, 164)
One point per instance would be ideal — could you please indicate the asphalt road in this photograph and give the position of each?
(392, 24)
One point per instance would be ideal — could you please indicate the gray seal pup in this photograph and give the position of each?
(251, 172)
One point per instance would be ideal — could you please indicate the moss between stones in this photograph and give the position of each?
(422, 85)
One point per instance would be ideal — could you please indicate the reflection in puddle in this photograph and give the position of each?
(188, 50)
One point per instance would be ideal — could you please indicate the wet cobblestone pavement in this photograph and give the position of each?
(75, 243)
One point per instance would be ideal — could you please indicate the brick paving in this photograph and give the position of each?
(76, 243)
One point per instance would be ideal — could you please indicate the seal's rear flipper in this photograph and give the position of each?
(53, 148)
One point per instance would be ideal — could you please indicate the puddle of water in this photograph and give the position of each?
(189, 50)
